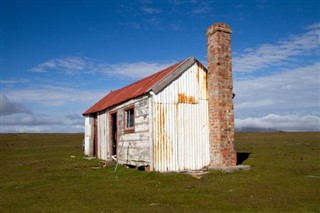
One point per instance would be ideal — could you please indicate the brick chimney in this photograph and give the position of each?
(220, 86)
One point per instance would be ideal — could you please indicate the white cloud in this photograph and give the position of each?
(255, 104)
(55, 96)
(62, 115)
(55, 109)
(8, 107)
(77, 65)
(154, 22)
(135, 70)
(146, 14)
(59, 108)
(30, 120)
(203, 9)
(280, 122)
(314, 26)
(288, 101)
(39, 123)
(14, 81)
(271, 55)
(262, 4)
(150, 10)
(70, 65)
(289, 92)
(74, 116)
(175, 27)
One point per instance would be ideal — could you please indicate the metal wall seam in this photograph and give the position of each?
(151, 135)
(100, 137)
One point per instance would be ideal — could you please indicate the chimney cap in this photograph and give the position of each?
(221, 27)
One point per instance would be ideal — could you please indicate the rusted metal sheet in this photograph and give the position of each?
(131, 91)
(180, 119)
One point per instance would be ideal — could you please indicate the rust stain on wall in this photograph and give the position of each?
(199, 82)
(205, 84)
(183, 98)
(198, 73)
(202, 82)
(163, 145)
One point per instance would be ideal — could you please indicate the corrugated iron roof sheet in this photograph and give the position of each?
(137, 88)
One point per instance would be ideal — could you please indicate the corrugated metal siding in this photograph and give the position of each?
(88, 136)
(180, 132)
(131, 91)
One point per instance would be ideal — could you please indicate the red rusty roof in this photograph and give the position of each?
(131, 91)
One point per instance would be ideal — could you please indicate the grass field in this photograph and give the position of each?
(47, 173)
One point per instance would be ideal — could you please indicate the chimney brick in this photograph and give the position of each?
(220, 102)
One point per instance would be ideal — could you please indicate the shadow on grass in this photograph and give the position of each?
(242, 156)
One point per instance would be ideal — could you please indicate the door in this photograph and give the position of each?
(95, 137)
(113, 135)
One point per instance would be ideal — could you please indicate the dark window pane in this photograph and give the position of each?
(130, 118)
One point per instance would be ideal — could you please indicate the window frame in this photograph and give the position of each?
(131, 128)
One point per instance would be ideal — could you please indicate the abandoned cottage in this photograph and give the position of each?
(180, 118)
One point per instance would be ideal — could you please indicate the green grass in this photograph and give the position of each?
(47, 173)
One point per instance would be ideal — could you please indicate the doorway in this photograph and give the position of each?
(95, 136)
(113, 135)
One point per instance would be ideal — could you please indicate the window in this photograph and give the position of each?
(129, 119)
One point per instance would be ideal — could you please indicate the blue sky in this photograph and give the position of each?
(59, 57)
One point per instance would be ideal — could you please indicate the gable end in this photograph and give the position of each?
(173, 75)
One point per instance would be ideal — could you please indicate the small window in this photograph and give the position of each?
(129, 119)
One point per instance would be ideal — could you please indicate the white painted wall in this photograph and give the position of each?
(88, 136)
(133, 148)
(103, 136)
